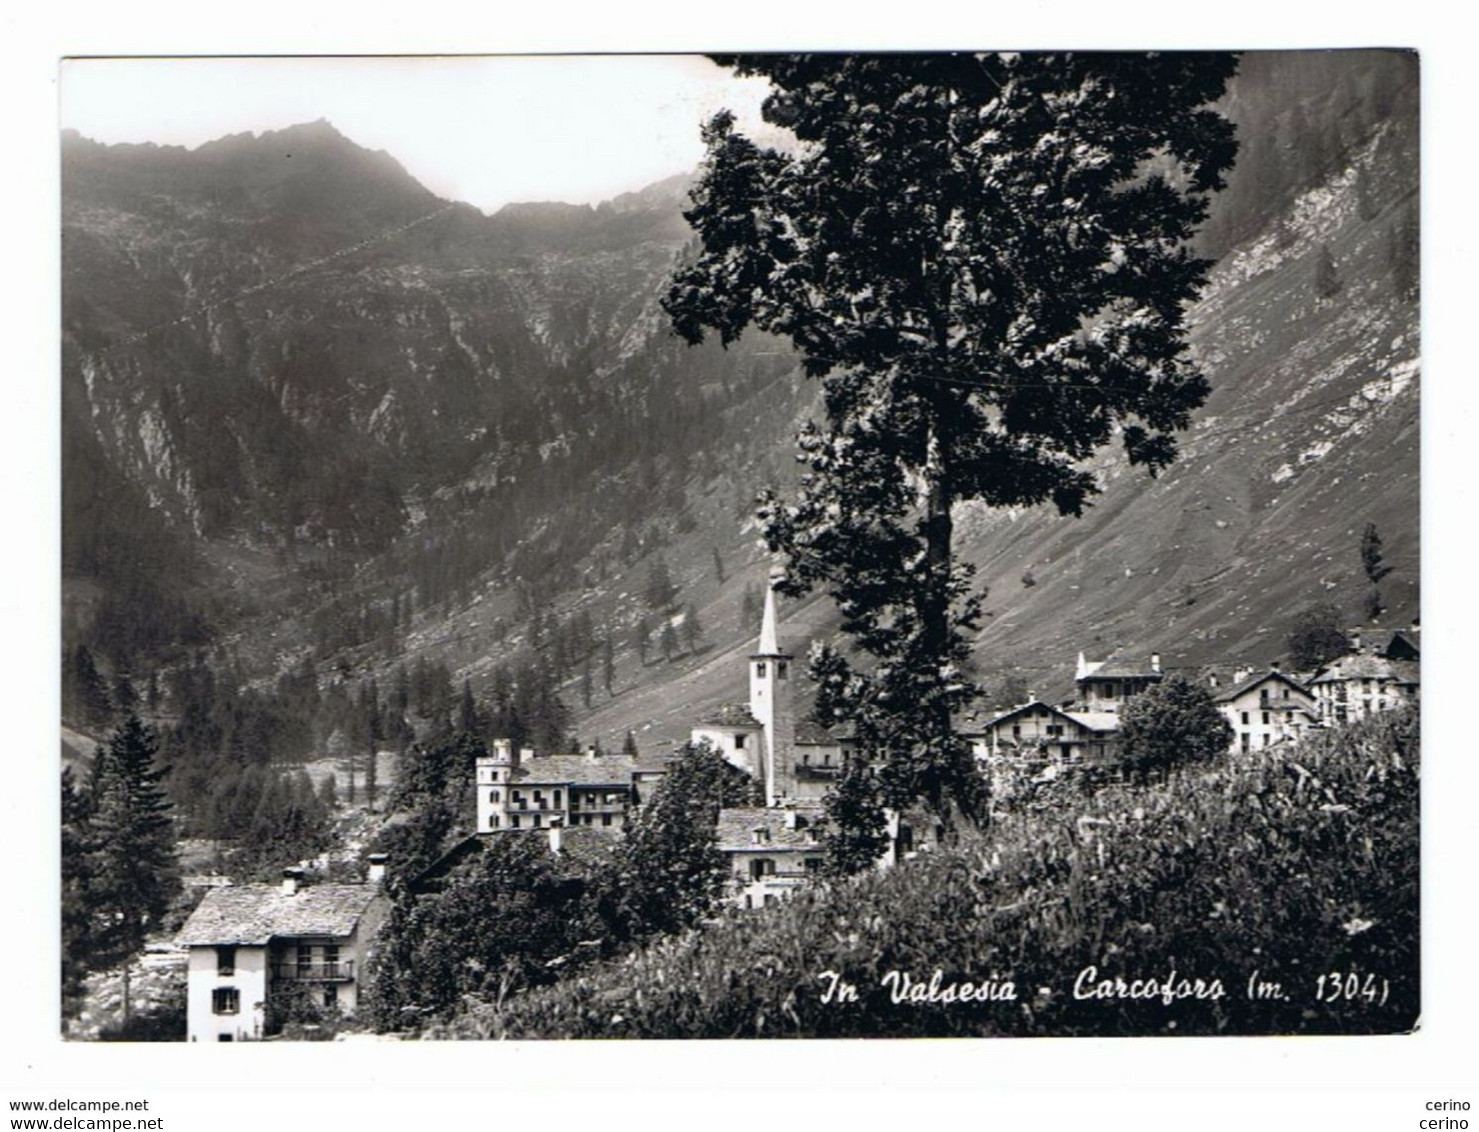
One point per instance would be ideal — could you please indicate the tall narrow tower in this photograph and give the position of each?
(770, 704)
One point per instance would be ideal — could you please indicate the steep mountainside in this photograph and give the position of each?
(300, 390)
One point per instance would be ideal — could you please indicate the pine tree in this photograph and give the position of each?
(587, 683)
(77, 913)
(1327, 279)
(135, 874)
(639, 638)
(629, 745)
(692, 629)
(668, 639)
(984, 258)
(660, 589)
(608, 664)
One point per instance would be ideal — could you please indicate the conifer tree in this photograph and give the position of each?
(984, 257)
(134, 871)
(608, 664)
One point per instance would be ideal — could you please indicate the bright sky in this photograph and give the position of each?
(485, 130)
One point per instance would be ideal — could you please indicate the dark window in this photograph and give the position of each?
(223, 1037)
(762, 867)
(813, 864)
(605, 819)
(225, 1000)
(739, 742)
(1263, 694)
(514, 821)
(536, 821)
(331, 960)
(557, 799)
(305, 959)
(760, 669)
(780, 669)
(225, 960)
(1245, 719)
(331, 997)
(492, 796)
(1265, 718)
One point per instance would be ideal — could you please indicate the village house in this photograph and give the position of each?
(1360, 684)
(525, 791)
(1266, 709)
(1050, 733)
(769, 851)
(1105, 685)
(253, 948)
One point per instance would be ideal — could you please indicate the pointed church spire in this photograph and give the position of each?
(769, 645)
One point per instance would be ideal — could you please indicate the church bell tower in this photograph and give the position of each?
(770, 703)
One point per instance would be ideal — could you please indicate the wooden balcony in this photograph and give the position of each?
(320, 972)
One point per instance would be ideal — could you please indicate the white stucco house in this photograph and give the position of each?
(248, 943)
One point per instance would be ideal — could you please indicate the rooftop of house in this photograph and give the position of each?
(1096, 720)
(1093, 720)
(736, 828)
(1119, 667)
(730, 715)
(810, 733)
(254, 914)
(1286, 682)
(576, 770)
(1364, 666)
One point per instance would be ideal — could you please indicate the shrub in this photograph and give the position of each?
(1288, 863)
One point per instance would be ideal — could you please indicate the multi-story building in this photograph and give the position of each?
(255, 944)
(526, 791)
(1105, 685)
(770, 851)
(1054, 733)
(1266, 709)
(1359, 685)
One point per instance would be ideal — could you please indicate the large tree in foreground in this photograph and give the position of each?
(985, 256)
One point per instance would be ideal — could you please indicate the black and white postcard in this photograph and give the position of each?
(751, 546)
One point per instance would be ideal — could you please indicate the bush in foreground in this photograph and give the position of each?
(1280, 868)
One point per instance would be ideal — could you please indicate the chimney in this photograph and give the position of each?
(1240, 674)
(503, 751)
(790, 819)
(759, 835)
(376, 874)
(1031, 696)
(1356, 640)
(556, 835)
(1273, 666)
(590, 753)
(1212, 679)
(1155, 662)
(525, 755)
(291, 880)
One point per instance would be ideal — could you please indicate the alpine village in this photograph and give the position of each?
(925, 577)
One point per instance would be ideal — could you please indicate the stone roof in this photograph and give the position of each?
(253, 914)
(736, 828)
(730, 715)
(575, 770)
(1363, 666)
(813, 734)
(1095, 720)
(1256, 679)
(1118, 668)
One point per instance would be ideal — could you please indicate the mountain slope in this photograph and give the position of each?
(315, 390)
